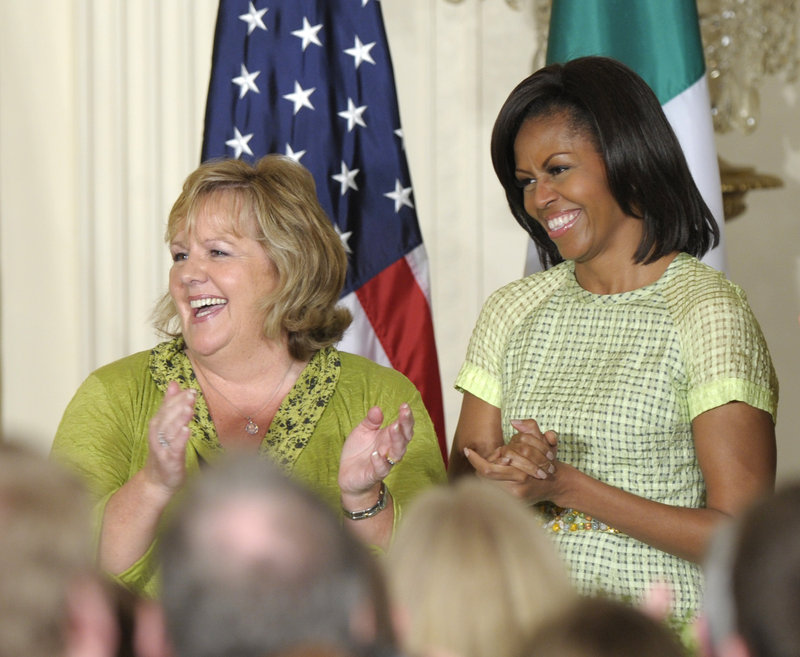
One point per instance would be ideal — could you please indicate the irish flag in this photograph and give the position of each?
(660, 40)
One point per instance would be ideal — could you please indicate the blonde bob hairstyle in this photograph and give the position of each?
(280, 196)
(472, 573)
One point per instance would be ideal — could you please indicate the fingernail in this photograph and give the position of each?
(375, 453)
(540, 474)
(466, 451)
(551, 469)
(550, 455)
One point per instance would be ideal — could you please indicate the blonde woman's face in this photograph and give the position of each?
(218, 280)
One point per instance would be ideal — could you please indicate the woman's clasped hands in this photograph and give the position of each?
(528, 458)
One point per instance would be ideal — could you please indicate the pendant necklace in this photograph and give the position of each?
(252, 427)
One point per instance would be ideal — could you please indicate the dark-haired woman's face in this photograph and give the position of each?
(565, 188)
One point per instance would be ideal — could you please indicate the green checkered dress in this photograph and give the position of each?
(620, 378)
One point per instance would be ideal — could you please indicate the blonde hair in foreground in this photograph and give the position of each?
(46, 543)
(275, 197)
(473, 572)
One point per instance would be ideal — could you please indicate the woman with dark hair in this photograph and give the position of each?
(250, 365)
(601, 627)
(627, 390)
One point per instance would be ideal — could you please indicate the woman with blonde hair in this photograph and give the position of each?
(471, 573)
(250, 365)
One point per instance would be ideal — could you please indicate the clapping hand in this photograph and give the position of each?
(167, 437)
(370, 452)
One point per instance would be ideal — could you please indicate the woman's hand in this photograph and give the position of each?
(369, 452)
(167, 437)
(529, 488)
(526, 466)
(530, 450)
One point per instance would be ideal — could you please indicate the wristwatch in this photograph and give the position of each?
(380, 505)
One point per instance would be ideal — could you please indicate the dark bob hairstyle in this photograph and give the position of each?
(645, 166)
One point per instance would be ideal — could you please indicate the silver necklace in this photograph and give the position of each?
(251, 427)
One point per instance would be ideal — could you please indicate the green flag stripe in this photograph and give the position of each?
(659, 39)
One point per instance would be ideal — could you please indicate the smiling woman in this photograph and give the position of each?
(251, 366)
(219, 278)
(627, 391)
(554, 160)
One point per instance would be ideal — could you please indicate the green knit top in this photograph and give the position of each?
(103, 433)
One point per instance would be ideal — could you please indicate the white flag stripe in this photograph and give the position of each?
(689, 113)
(417, 260)
(360, 338)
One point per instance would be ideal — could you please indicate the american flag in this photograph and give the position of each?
(312, 79)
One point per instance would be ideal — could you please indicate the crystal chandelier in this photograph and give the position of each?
(744, 41)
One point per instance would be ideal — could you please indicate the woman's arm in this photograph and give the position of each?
(479, 429)
(132, 514)
(735, 446)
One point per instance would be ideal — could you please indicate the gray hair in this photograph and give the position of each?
(254, 563)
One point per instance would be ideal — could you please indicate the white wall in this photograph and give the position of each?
(764, 249)
(101, 105)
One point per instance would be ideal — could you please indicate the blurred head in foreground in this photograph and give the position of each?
(752, 596)
(471, 572)
(52, 601)
(600, 627)
(254, 564)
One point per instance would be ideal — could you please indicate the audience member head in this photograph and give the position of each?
(470, 572)
(254, 564)
(600, 627)
(52, 602)
(646, 170)
(752, 598)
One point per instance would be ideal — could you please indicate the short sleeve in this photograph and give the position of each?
(728, 359)
(504, 311)
(482, 371)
